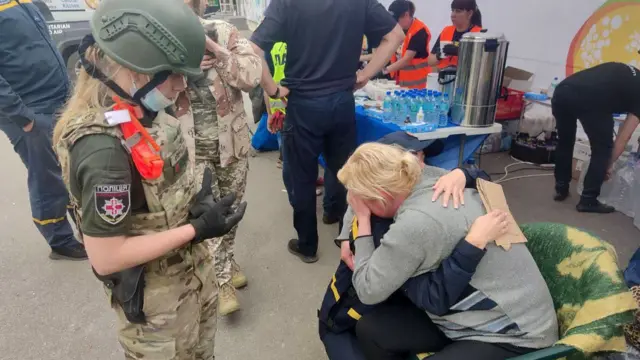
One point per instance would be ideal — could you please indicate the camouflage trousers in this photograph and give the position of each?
(180, 304)
(230, 179)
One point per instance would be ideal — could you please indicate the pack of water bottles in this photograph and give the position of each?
(416, 111)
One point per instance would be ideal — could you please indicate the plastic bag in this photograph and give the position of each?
(620, 190)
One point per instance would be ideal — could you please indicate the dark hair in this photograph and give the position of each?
(400, 7)
(412, 8)
(471, 5)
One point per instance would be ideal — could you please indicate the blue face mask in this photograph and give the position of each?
(154, 100)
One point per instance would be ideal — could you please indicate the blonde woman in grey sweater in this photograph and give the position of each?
(507, 309)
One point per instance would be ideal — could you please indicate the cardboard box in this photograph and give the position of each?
(517, 79)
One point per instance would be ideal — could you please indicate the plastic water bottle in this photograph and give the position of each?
(406, 109)
(420, 117)
(552, 87)
(397, 109)
(437, 104)
(431, 122)
(414, 107)
(387, 107)
(396, 115)
(443, 119)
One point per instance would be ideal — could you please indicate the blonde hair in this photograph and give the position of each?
(90, 96)
(375, 169)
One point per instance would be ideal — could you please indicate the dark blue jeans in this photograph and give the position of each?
(47, 193)
(315, 125)
(331, 191)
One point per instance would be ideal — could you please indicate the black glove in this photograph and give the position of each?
(450, 50)
(204, 198)
(218, 220)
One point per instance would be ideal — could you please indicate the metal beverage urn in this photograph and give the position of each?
(481, 61)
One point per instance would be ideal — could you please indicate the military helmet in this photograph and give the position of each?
(150, 36)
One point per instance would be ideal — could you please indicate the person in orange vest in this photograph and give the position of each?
(410, 68)
(465, 17)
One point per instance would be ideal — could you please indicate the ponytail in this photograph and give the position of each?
(476, 18)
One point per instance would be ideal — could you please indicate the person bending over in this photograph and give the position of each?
(593, 96)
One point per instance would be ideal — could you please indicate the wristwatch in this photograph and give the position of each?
(277, 94)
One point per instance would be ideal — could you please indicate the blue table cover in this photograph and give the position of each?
(371, 129)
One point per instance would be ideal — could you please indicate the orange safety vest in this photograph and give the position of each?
(447, 35)
(145, 152)
(414, 76)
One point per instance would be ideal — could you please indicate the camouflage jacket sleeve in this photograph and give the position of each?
(237, 64)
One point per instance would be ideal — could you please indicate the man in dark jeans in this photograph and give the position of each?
(33, 87)
(593, 96)
(324, 39)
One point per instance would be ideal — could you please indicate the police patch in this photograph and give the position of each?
(113, 202)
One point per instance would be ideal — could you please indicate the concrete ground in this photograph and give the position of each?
(57, 310)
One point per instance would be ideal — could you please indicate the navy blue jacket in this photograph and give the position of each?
(33, 76)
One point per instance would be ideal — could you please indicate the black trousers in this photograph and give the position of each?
(568, 107)
(395, 332)
(313, 126)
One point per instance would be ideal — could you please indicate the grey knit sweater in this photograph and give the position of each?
(509, 302)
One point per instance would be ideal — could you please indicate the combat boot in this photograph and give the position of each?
(238, 279)
(228, 301)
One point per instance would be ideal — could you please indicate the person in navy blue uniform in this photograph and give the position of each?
(324, 40)
(34, 86)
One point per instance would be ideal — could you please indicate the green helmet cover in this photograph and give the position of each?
(150, 36)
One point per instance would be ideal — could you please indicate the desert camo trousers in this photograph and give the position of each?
(227, 180)
(180, 305)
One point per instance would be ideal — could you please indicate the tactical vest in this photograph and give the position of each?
(279, 59)
(341, 308)
(169, 197)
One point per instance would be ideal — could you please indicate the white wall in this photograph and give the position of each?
(540, 31)
(252, 9)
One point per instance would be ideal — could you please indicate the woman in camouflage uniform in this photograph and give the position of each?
(221, 133)
(132, 183)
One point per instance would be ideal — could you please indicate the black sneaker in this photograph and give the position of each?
(74, 252)
(595, 207)
(330, 220)
(295, 250)
(561, 196)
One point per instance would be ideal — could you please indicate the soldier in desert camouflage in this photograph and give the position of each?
(131, 179)
(221, 132)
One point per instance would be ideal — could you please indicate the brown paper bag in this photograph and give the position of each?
(493, 198)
